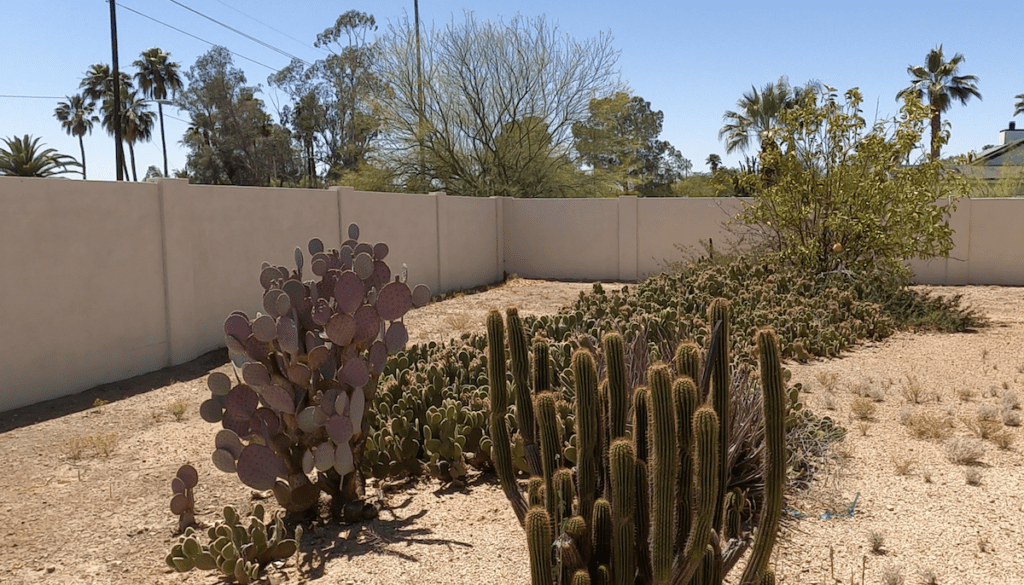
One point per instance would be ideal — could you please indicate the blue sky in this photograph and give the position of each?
(691, 60)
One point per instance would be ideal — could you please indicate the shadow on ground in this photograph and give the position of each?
(111, 392)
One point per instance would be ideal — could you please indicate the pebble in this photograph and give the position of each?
(890, 507)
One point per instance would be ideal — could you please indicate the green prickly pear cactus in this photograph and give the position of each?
(239, 551)
(651, 502)
(295, 417)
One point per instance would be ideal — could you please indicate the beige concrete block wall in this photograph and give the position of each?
(100, 281)
(571, 239)
(668, 223)
(81, 286)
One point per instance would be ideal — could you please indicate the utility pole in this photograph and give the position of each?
(116, 82)
(419, 85)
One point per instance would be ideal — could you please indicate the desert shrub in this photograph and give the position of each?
(965, 394)
(989, 412)
(836, 194)
(973, 476)
(965, 451)
(1003, 439)
(1010, 401)
(1011, 418)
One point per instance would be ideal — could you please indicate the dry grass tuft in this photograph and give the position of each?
(877, 542)
(965, 394)
(95, 445)
(928, 425)
(982, 427)
(892, 575)
(1011, 418)
(1003, 439)
(1010, 401)
(903, 464)
(828, 380)
(178, 409)
(863, 408)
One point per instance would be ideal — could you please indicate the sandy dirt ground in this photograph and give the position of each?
(85, 493)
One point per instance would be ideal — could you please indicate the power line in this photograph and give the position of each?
(236, 31)
(280, 32)
(34, 97)
(195, 37)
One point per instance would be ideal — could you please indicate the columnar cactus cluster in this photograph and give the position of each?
(651, 503)
(183, 503)
(309, 365)
(239, 550)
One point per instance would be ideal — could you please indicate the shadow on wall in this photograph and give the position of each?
(112, 392)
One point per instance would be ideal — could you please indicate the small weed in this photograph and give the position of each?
(928, 577)
(984, 354)
(1006, 385)
(965, 394)
(178, 409)
(843, 450)
(973, 476)
(99, 402)
(1003, 439)
(965, 451)
(892, 575)
(993, 391)
(877, 542)
(863, 427)
(863, 408)
(828, 401)
(926, 475)
(984, 545)
(903, 464)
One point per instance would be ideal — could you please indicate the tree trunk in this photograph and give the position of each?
(163, 139)
(82, 146)
(936, 130)
(131, 151)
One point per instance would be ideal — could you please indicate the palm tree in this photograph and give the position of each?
(137, 123)
(1019, 106)
(76, 117)
(157, 76)
(98, 86)
(938, 83)
(758, 115)
(23, 158)
(714, 161)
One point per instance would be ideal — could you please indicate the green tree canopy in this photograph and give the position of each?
(842, 197)
(231, 139)
(939, 84)
(23, 157)
(332, 114)
(77, 118)
(619, 142)
(478, 78)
